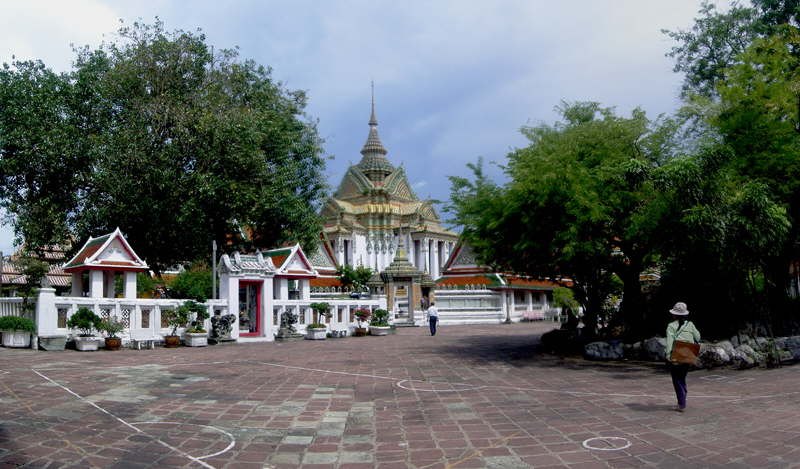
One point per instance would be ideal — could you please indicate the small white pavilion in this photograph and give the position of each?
(95, 267)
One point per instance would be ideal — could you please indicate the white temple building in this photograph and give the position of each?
(373, 205)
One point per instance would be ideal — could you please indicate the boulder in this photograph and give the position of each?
(603, 351)
(727, 346)
(632, 351)
(655, 348)
(741, 360)
(790, 344)
(761, 344)
(757, 357)
(711, 356)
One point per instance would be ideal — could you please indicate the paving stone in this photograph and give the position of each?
(293, 417)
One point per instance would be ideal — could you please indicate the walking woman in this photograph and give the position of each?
(680, 329)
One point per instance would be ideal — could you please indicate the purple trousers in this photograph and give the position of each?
(679, 373)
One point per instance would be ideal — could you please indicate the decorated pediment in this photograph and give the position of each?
(291, 262)
(397, 186)
(354, 184)
(107, 252)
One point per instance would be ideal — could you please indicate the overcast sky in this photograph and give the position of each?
(454, 80)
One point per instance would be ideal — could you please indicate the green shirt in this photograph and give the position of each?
(688, 333)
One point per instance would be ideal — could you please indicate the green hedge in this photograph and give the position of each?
(16, 323)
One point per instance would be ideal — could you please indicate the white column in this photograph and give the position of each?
(96, 283)
(77, 284)
(305, 288)
(543, 300)
(229, 290)
(425, 257)
(283, 289)
(109, 287)
(529, 297)
(46, 314)
(267, 308)
(439, 256)
(338, 250)
(130, 285)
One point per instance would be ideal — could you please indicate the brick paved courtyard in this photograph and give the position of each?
(471, 397)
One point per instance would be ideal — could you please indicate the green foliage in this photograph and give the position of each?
(194, 283)
(380, 318)
(34, 270)
(192, 311)
(111, 326)
(320, 310)
(354, 278)
(84, 320)
(16, 323)
(146, 285)
(565, 299)
(316, 325)
(157, 133)
(579, 192)
(717, 40)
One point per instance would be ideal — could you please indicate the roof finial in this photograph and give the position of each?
(372, 119)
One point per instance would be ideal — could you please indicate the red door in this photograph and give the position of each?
(250, 308)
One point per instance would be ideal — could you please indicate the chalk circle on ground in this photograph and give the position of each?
(207, 429)
(612, 443)
(435, 386)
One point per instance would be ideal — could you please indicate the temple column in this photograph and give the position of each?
(96, 283)
(77, 284)
(130, 285)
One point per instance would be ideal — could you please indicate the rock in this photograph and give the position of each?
(654, 348)
(791, 344)
(762, 344)
(741, 360)
(712, 355)
(603, 351)
(632, 351)
(757, 357)
(727, 346)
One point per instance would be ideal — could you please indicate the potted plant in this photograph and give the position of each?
(178, 317)
(16, 331)
(362, 315)
(112, 327)
(196, 336)
(85, 321)
(317, 330)
(379, 324)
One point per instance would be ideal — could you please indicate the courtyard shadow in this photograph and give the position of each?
(527, 352)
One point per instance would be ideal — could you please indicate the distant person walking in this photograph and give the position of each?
(433, 317)
(680, 329)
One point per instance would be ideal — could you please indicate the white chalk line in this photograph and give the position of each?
(231, 445)
(471, 387)
(616, 438)
(165, 444)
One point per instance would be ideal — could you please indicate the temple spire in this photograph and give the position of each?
(372, 120)
(374, 161)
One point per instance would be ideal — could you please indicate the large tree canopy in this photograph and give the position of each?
(577, 204)
(157, 134)
(599, 198)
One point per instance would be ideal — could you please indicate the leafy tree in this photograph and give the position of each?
(194, 283)
(717, 39)
(156, 134)
(355, 278)
(34, 270)
(577, 204)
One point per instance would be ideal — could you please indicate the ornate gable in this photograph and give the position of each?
(397, 186)
(291, 262)
(107, 252)
(353, 184)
